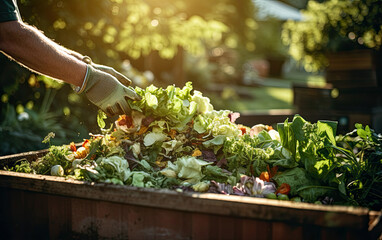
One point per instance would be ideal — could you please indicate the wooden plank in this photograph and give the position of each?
(157, 223)
(202, 226)
(312, 98)
(36, 216)
(331, 233)
(60, 217)
(138, 218)
(108, 217)
(352, 78)
(9, 160)
(238, 206)
(154, 223)
(282, 230)
(358, 100)
(311, 232)
(262, 230)
(99, 210)
(350, 60)
(84, 222)
(169, 224)
(11, 212)
(225, 227)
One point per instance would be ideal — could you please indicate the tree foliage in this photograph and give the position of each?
(110, 31)
(115, 29)
(333, 25)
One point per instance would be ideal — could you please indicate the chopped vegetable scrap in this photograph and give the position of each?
(174, 139)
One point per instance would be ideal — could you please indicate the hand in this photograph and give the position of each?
(121, 78)
(105, 91)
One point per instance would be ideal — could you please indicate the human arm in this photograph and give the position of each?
(33, 49)
(101, 84)
(121, 78)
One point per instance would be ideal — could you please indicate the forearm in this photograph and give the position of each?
(72, 53)
(32, 49)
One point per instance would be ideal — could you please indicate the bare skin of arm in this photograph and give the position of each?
(34, 50)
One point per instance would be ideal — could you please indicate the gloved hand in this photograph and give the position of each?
(121, 78)
(105, 91)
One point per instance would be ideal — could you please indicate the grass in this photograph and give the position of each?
(264, 98)
(263, 95)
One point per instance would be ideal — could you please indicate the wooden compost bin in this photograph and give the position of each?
(46, 207)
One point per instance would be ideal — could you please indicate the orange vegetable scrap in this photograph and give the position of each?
(86, 144)
(283, 189)
(197, 153)
(264, 176)
(125, 120)
(73, 147)
(142, 130)
(172, 133)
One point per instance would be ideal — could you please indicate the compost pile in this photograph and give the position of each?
(175, 139)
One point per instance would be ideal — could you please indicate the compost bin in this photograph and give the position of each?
(47, 207)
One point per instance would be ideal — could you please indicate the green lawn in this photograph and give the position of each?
(267, 94)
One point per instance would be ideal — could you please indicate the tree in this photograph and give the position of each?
(331, 26)
(111, 31)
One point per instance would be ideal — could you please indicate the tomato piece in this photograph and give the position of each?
(283, 189)
(86, 144)
(125, 120)
(72, 147)
(264, 176)
(243, 130)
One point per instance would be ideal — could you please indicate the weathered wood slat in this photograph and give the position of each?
(356, 68)
(47, 207)
(266, 209)
(350, 60)
(352, 78)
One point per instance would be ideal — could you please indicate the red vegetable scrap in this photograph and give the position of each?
(125, 120)
(172, 133)
(73, 147)
(86, 144)
(233, 116)
(267, 176)
(283, 189)
(243, 130)
(264, 176)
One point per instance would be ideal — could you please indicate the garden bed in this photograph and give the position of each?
(47, 207)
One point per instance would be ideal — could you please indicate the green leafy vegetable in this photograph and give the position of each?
(174, 139)
(100, 118)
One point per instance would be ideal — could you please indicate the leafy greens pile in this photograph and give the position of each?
(174, 139)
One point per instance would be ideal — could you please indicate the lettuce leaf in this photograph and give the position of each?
(301, 184)
(215, 173)
(154, 137)
(187, 168)
(113, 167)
